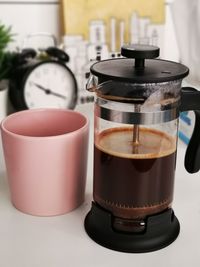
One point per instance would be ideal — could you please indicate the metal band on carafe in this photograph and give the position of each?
(143, 118)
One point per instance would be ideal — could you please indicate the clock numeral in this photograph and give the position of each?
(64, 79)
(45, 71)
(37, 75)
(32, 105)
(30, 83)
(66, 88)
(61, 105)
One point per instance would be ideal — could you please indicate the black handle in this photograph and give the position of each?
(190, 100)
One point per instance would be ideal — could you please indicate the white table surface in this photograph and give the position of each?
(61, 241)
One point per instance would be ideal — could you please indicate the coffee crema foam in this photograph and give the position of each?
(119, 142)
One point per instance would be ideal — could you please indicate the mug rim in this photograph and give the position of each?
(18, 113)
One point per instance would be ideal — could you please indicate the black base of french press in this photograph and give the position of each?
(160, 231)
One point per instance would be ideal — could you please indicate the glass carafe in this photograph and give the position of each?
(136, 118)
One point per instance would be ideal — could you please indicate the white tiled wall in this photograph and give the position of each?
(30, 16)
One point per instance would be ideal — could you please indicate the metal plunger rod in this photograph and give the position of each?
(136, 135)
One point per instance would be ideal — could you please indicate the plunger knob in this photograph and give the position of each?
(140, 52)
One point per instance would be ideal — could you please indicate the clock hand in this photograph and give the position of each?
(58, 95)
(48, 91)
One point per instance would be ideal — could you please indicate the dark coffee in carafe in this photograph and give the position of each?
(133, 182)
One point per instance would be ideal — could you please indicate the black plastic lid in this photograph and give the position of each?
(139, 67)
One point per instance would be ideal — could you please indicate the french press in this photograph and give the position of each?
(138, 101)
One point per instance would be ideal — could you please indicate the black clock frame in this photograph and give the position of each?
(19, 77)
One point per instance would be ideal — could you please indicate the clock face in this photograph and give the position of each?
(50, 85)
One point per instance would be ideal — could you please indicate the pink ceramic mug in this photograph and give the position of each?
(45, 153)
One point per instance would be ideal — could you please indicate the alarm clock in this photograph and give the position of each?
(42, 82)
